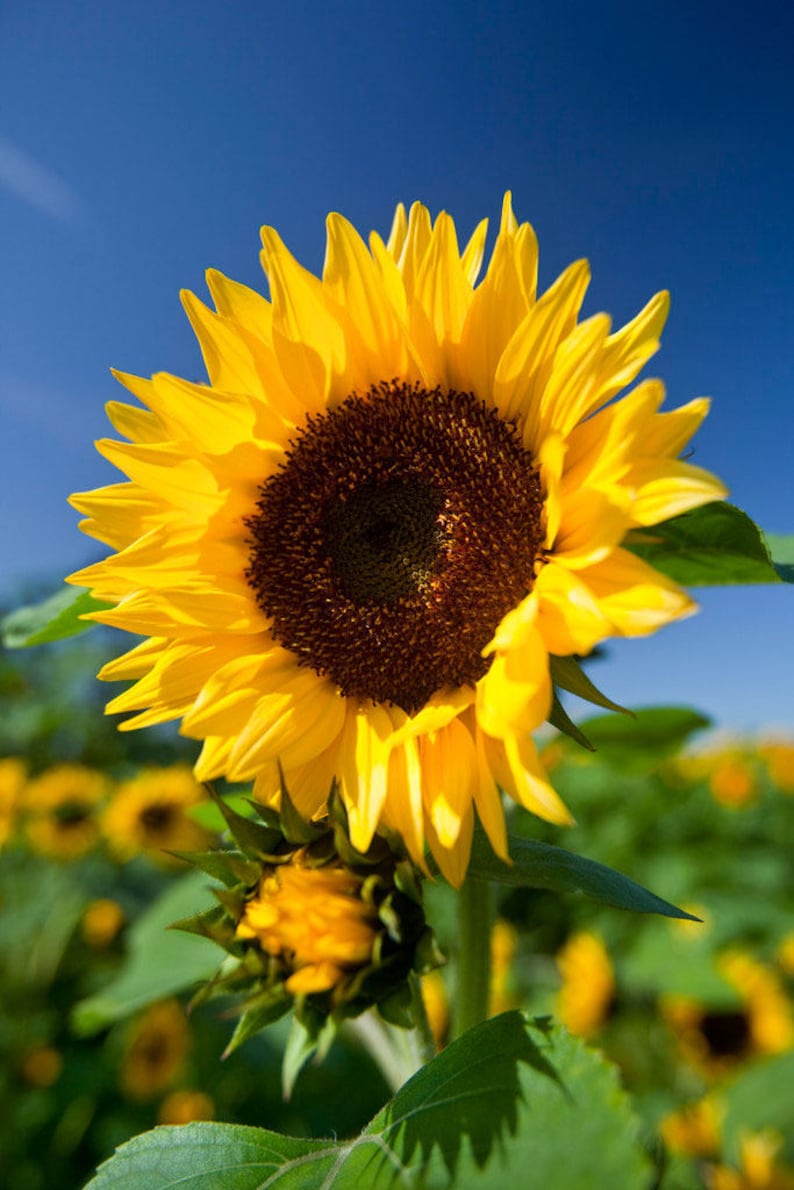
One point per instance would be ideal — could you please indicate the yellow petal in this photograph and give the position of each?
(364, 768)
(531, 786)
(637, 598)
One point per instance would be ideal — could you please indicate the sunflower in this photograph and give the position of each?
(62, 807)
(12, 783)
(356, 550)
(148, 814)
(155, 1051)
(587, 994)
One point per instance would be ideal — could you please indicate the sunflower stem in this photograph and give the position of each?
(475, 913)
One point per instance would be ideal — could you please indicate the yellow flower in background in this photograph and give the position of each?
(42, 1067)
(402, 492)
(779, 757)
(12, 781)
(436, 1003)
(504, 943)
(155, 1051)
(148, 814)
(101, 922)
(588, 984)
(182, 1107)
(693, 1130)
(61, 808)
(716, 1039)
(732, 780)
(315, 921)
(759, 1168)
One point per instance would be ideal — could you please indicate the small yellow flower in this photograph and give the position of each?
(12, 782)
(436, 1001)
(732, 780)
(156, 1048)
(61, 807)
(694, 1130)
(785, 955)
(779, 757)
(148, 815)
(355, 552)
(182, 1107)
(759, 1169)
(101, 922)
(588, 984)
(315, 922)
(504, 941)
(42, 1067)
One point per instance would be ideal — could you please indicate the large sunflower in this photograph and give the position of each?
(355, 550)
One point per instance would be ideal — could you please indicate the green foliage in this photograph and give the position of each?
(781, 548)
(53, 619)
(541, 865)
(498, 1107)
(159, 962)
(716, 544)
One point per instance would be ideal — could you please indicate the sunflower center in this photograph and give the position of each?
(156, 819)
(727, 1034)
(402, 526)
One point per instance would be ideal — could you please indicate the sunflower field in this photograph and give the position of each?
(364, 906)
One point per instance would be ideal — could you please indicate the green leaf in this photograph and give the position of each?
(652, 732)
(541, 865)
(257, 1016)
(781, 549)
(560, 719)
(160, 962)
(52, 619)
(760, 1097)
(499, 1107)
(567, 674)
(715, 544)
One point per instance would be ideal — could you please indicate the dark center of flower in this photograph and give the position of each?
(157, 818)
(70, 815)
(727, 1034)
(402, 526)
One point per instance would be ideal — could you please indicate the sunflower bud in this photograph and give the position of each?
(310, 923)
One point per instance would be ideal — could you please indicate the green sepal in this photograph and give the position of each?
(397, 1008)
(255, 839)
(257, 1015)
(214, 863)
(567, 673)
(213, 924)
(428, 955)
(310, 1033)
(405, 880)
(295, 828)
(246, 871)
(232, 899)
(560, 719)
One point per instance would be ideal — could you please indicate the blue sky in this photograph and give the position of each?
(142, 143)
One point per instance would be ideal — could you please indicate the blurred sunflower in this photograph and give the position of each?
(61, 808)
(12, 782)
(148, 815)
(402, 492)
(155, 1051)
(715, 1039)
(587, 994)
(759, 1166)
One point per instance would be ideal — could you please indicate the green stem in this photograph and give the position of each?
(475, 913)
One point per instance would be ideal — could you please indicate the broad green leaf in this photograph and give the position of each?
(53, 619)
(541, 865)
(712, 545)
(160, 961)
(652, 732)
(781, 548)
(499, 1107)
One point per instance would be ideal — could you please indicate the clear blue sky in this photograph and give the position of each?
(141, 143)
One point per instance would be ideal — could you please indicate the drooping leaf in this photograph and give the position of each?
(567, 674)
(542, 865)
(54, 618)
(560, 719)
(160, 961)
(499, 1107)
(715, 544)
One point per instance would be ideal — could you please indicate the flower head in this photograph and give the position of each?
(355, 551)
(309, 923)
(61, 808)
(588, 984)
(148, 814)
(156, 1048)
